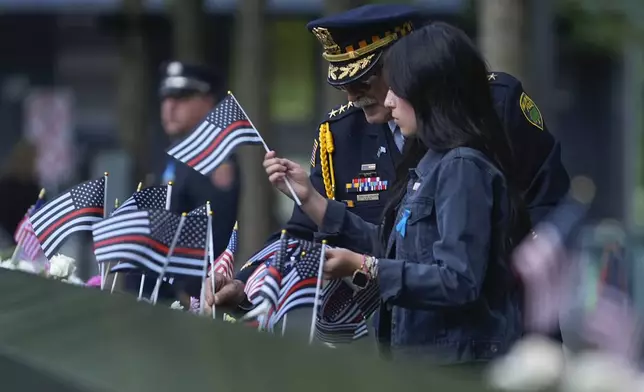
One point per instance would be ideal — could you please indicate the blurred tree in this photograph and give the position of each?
(251, 89)
(133, 87)
(604, 23)
(188, 20)
(332, 96)
(500, 26)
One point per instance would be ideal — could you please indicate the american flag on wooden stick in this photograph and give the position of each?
(24, 235)
(225, 128)
(73, 211)
(225, 263)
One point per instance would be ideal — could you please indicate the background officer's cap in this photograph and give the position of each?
(181, 79)
(353, 41)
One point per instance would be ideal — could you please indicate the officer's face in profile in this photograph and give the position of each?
(403, 114)
(369, 95)
(180, 113)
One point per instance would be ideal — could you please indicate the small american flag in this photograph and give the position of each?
(143, 238)
(343, 312)
(74, 210)
(299, 283)
(270, 290)
(225, 128)
(260, 259)
(225, 263)
(25, 236)
(152, 198)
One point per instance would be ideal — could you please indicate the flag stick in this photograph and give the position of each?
(202, 300)
(288, 183)
(318, 289)
(116, 275)
(211, 258)
(105, 214)
(157, 287)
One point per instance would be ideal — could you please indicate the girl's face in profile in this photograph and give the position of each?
(403, 114)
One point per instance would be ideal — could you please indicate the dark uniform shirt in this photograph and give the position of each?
(356, 163)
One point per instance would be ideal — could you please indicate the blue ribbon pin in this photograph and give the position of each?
(401, 227)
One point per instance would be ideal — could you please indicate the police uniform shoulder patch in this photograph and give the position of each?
(341, 111)
(315, 150)
(531, 111)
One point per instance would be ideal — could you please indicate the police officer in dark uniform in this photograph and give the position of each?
(357, 147)
(188, 93)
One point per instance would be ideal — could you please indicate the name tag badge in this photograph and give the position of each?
(368, 167)
(368, 197)
(416, 186)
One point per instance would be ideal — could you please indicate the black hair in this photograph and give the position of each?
(439, 71)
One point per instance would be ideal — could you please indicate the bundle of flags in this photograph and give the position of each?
(286, 279)
(159, 241)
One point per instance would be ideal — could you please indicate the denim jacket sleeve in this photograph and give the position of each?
(350, 231)
(448, 263)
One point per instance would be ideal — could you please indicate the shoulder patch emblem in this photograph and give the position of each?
(531, 111)
(315, 150)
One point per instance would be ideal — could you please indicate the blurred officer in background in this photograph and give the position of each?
(188, 93)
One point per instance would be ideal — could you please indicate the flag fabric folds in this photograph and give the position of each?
(260, 259)
(300, 281)
(25, 236)
(152, 198)
(225, 263)
(143, 238)
(343, 312)
(73, 211)
(223, 129)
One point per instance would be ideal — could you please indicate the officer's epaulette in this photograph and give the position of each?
(340, 112)
(503, 79)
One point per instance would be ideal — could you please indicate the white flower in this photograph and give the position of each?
(26, 266)
(73, 279)
(176, 305)
(61, 266)
(599, 372)
(22, 265)
(7, 264)
(533, 364)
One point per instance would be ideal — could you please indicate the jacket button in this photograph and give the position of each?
(494, 348)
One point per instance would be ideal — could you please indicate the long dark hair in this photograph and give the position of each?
(439, 71)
